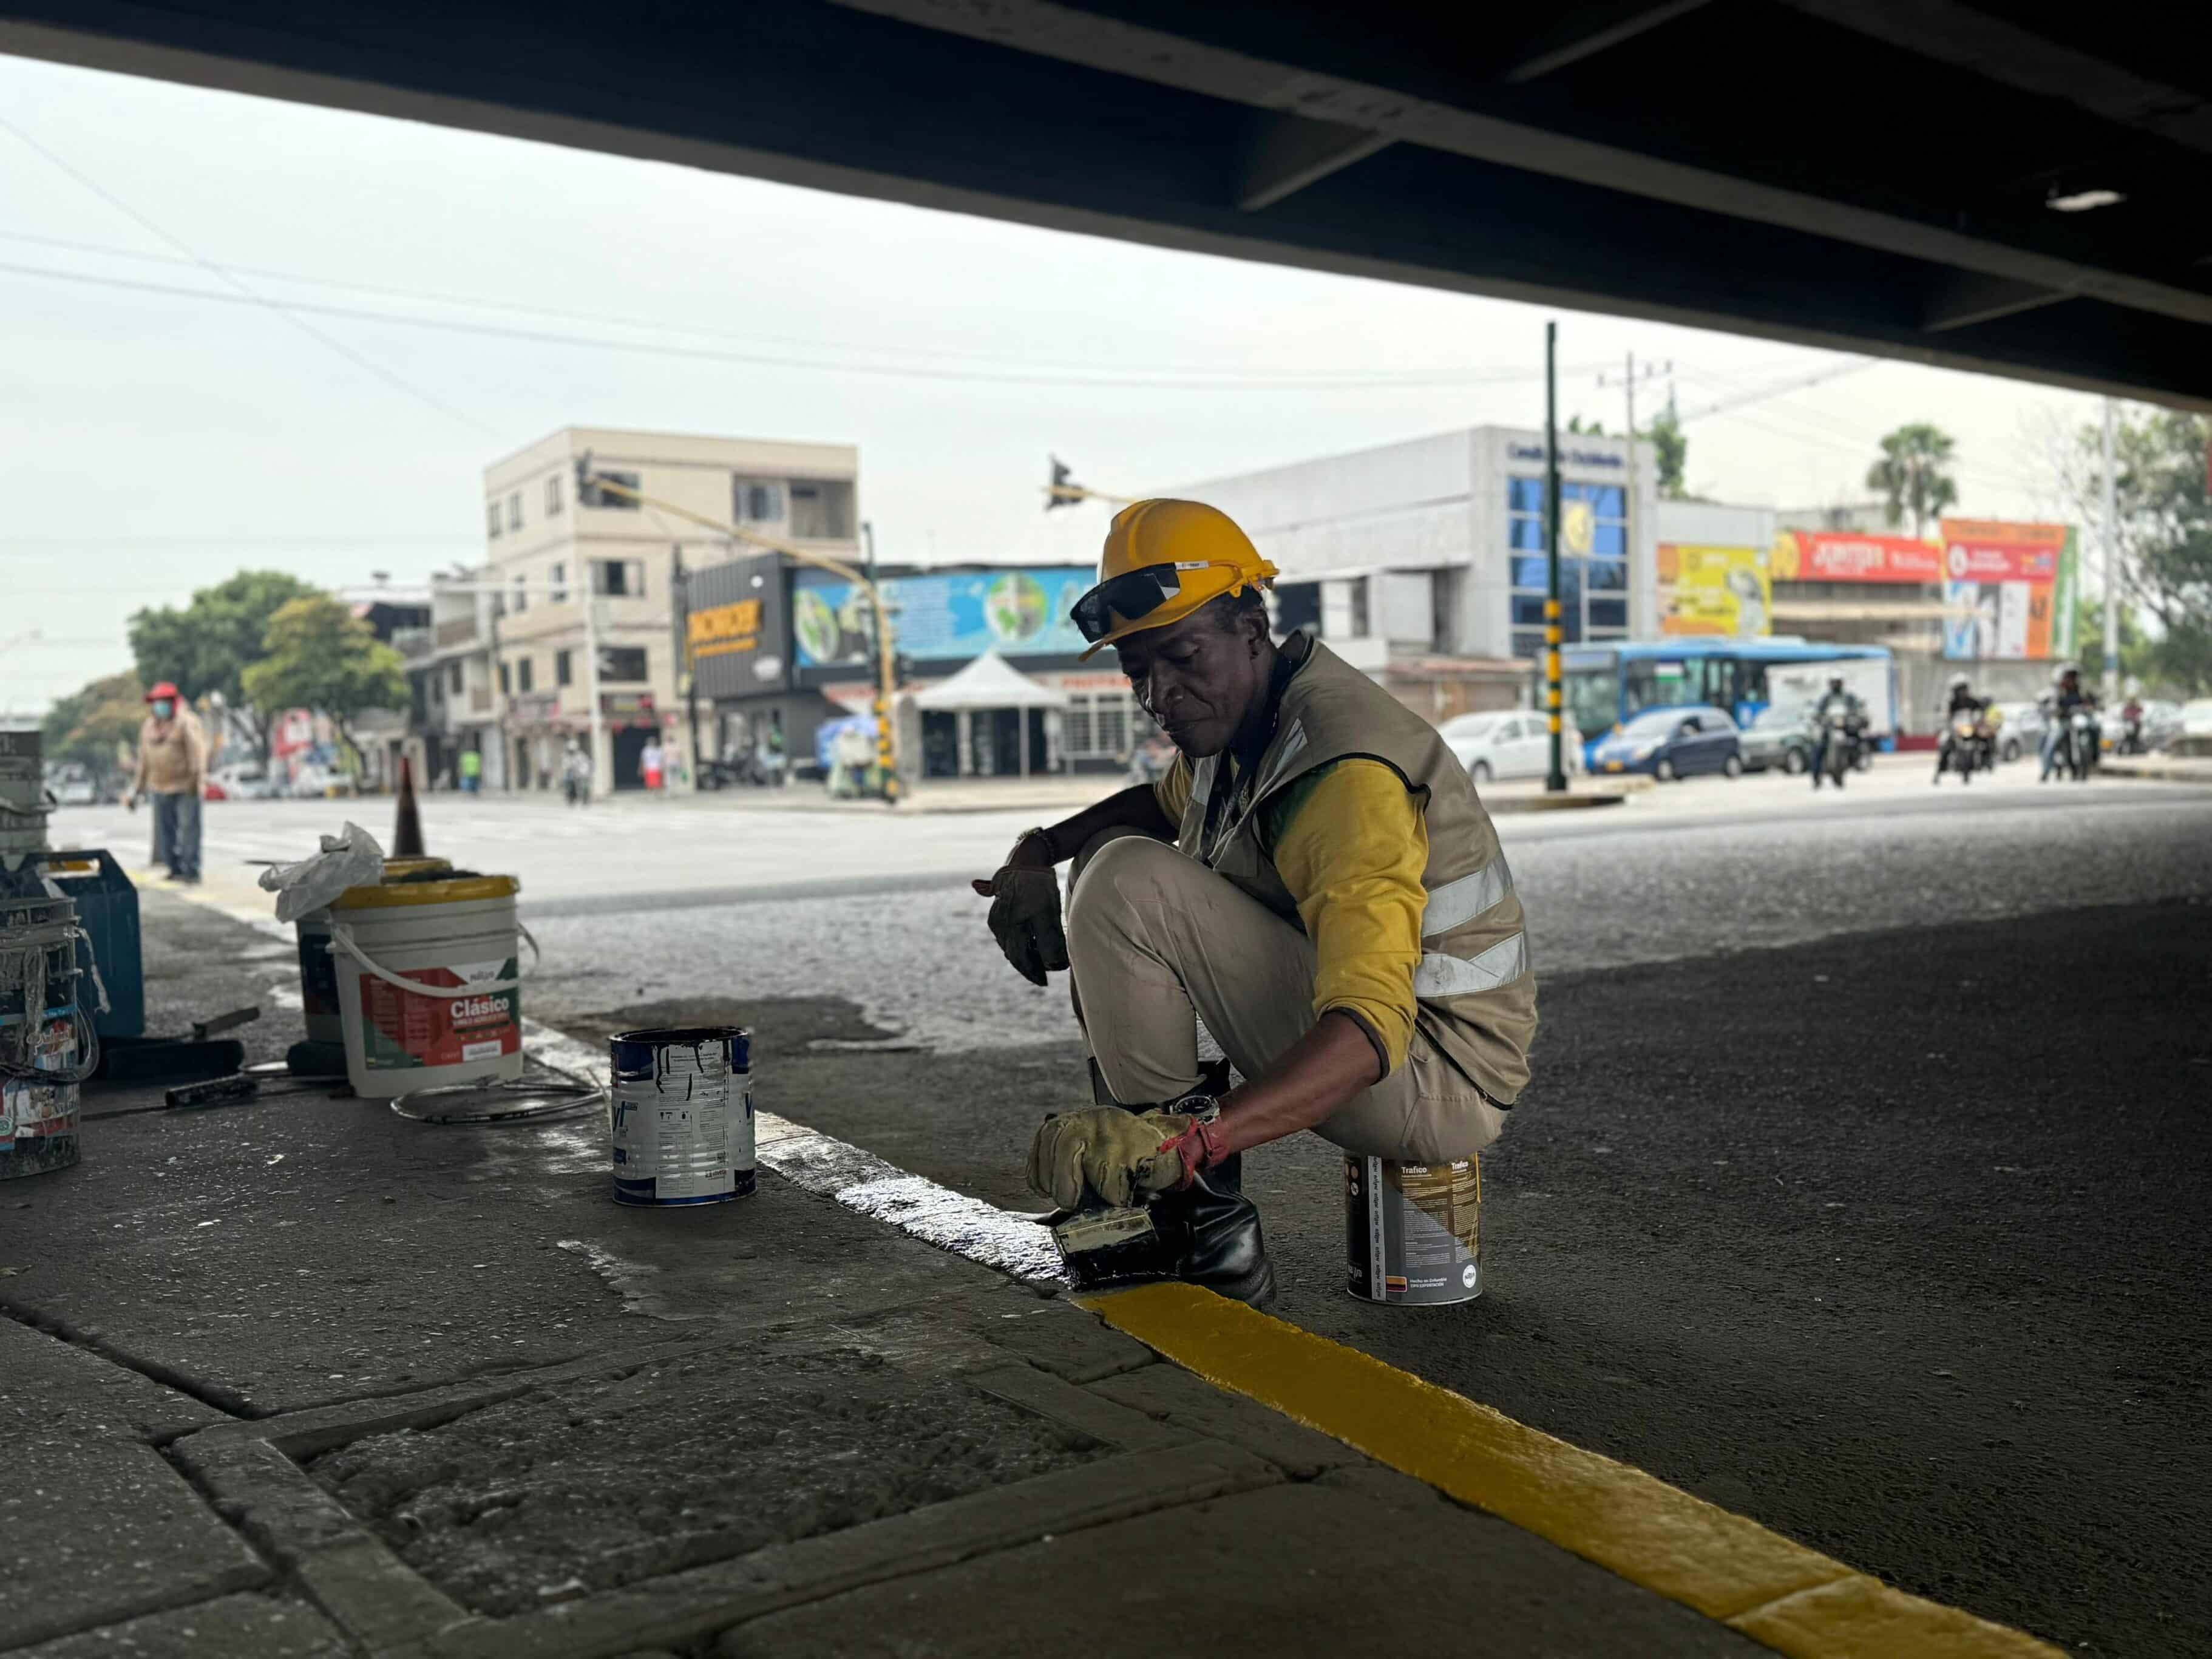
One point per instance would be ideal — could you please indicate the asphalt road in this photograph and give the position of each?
(1860, 1189)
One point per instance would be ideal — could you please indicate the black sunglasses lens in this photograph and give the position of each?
(1129, 596)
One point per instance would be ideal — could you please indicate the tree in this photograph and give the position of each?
(207, 646)
(2165, 511)
(2089, 632)
(319, 655)
(1594, 430)
(1912, 474)
(93, 725)
(1673, 447)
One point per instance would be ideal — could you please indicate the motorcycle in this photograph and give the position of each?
(2076, 752)
(1843, 752)
(724, 774)
(1968, 747)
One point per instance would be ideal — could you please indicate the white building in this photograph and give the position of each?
(1423, 562)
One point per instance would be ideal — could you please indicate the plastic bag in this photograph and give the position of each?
(352, 859)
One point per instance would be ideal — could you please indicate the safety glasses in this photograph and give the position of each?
(1132, 594)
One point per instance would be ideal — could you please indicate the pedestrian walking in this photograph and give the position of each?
(173, 770)
(471, 765)
(576, 774)
(651, 760)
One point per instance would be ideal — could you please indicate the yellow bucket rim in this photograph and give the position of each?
(414, 867)
(395, 895)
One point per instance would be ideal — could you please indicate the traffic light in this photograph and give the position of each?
(902, 669)
(1053, 495)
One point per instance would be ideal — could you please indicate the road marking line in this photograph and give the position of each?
(1777, 1592)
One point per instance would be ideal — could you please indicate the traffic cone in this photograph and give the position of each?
(407, 831)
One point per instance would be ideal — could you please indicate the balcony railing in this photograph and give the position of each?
(457, 630)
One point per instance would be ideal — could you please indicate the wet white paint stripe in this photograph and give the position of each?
(858, 1180)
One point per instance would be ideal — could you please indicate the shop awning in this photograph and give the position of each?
(989, 682)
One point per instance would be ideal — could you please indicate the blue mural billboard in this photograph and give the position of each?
(937, 619)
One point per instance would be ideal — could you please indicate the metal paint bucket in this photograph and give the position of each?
(682, 1116)
(44, 1040)
(1412, 1231)
(319, 969)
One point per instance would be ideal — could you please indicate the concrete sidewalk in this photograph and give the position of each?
(298, 1376)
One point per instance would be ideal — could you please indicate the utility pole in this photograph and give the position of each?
(603, 780)
(1631, 514)
(2112, 561)
(1556, 779)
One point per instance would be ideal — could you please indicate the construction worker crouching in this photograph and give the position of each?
(1314, 876)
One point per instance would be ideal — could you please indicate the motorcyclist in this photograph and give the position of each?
(1836, 697)
(1961, 701)
(2066, 698)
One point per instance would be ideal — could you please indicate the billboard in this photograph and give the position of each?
(940, 617)
(1839, 555)
(2009, 590)
(734, 627)
(1707, 590)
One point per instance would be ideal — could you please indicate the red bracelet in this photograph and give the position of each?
(1209, 1151)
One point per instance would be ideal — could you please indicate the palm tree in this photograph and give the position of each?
(1912, 474)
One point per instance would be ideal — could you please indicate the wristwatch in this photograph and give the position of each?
(1204, 1110)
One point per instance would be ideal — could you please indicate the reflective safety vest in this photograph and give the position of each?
(1476, 994)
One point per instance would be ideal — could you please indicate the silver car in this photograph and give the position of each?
(1779, 735)
(2020, 732)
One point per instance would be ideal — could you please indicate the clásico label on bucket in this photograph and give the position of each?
(403, 1029)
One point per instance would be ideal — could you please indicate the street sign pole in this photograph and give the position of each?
(1556, 779)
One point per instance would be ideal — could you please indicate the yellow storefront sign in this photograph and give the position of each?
(1723, 591)
(724, 628)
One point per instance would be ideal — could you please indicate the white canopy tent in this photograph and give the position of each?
(990, 683)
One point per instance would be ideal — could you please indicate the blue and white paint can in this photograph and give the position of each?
(682, 1116)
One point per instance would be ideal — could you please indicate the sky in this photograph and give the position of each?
(239, 332)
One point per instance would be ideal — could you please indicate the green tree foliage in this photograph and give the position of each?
(1914, 475)
(1594, 430)
(93, 725)
(2165, 536)
(2090, 634)
(317, 654)
(1673, 447)
(209, 644)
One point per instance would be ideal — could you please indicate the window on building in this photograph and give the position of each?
(506, 680)
(625, 665)
(619, 579)
(552, 494)
(1593, 563)
(492, 519)
(453, 676)
(521, 594)
(593, 495)
(563, 669)
(821, 510)
(525, 673)
(514, 511)
(560, 588)
(758, 501)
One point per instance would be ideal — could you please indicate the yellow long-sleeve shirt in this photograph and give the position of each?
(1350, 844)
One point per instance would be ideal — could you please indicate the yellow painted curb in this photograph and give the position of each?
(1780, 1594)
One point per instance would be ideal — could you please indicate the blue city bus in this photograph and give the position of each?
(1606, 683)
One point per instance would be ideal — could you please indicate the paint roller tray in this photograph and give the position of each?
(605, 1481)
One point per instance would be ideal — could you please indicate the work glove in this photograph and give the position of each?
(1105, 1155)
(1024, 917)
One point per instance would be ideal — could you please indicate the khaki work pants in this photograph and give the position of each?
(1157, 941)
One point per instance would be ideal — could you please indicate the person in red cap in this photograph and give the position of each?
(172, 769)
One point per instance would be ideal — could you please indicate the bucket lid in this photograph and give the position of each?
(403, 868)
(394, 894)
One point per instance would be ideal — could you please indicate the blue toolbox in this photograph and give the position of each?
(107, 911)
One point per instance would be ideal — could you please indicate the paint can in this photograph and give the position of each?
(23, 796)
(45, 1043)
(1412, 1230)
(319, 969)
(682, 1116)
(429, 983)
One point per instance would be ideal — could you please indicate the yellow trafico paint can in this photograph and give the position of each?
(1412, 1231)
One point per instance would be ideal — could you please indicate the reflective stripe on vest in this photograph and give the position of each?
(1462, 901)
(1440, 975)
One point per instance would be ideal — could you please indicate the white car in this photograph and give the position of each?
(2197, 720)
(245, 783)
(1511, 743)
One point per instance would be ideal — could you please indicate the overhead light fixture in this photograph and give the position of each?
(2082, 200)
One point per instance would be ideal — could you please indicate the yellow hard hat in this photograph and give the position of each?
(1163, 559)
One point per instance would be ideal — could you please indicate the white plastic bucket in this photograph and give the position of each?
(319, 969)
(428, 983)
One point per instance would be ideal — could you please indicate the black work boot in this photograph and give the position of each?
(1216, 1230)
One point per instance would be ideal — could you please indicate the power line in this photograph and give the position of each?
(540, 337)
(245, 292)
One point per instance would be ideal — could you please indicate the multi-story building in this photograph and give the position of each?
(1423, 562)
(548, 553)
